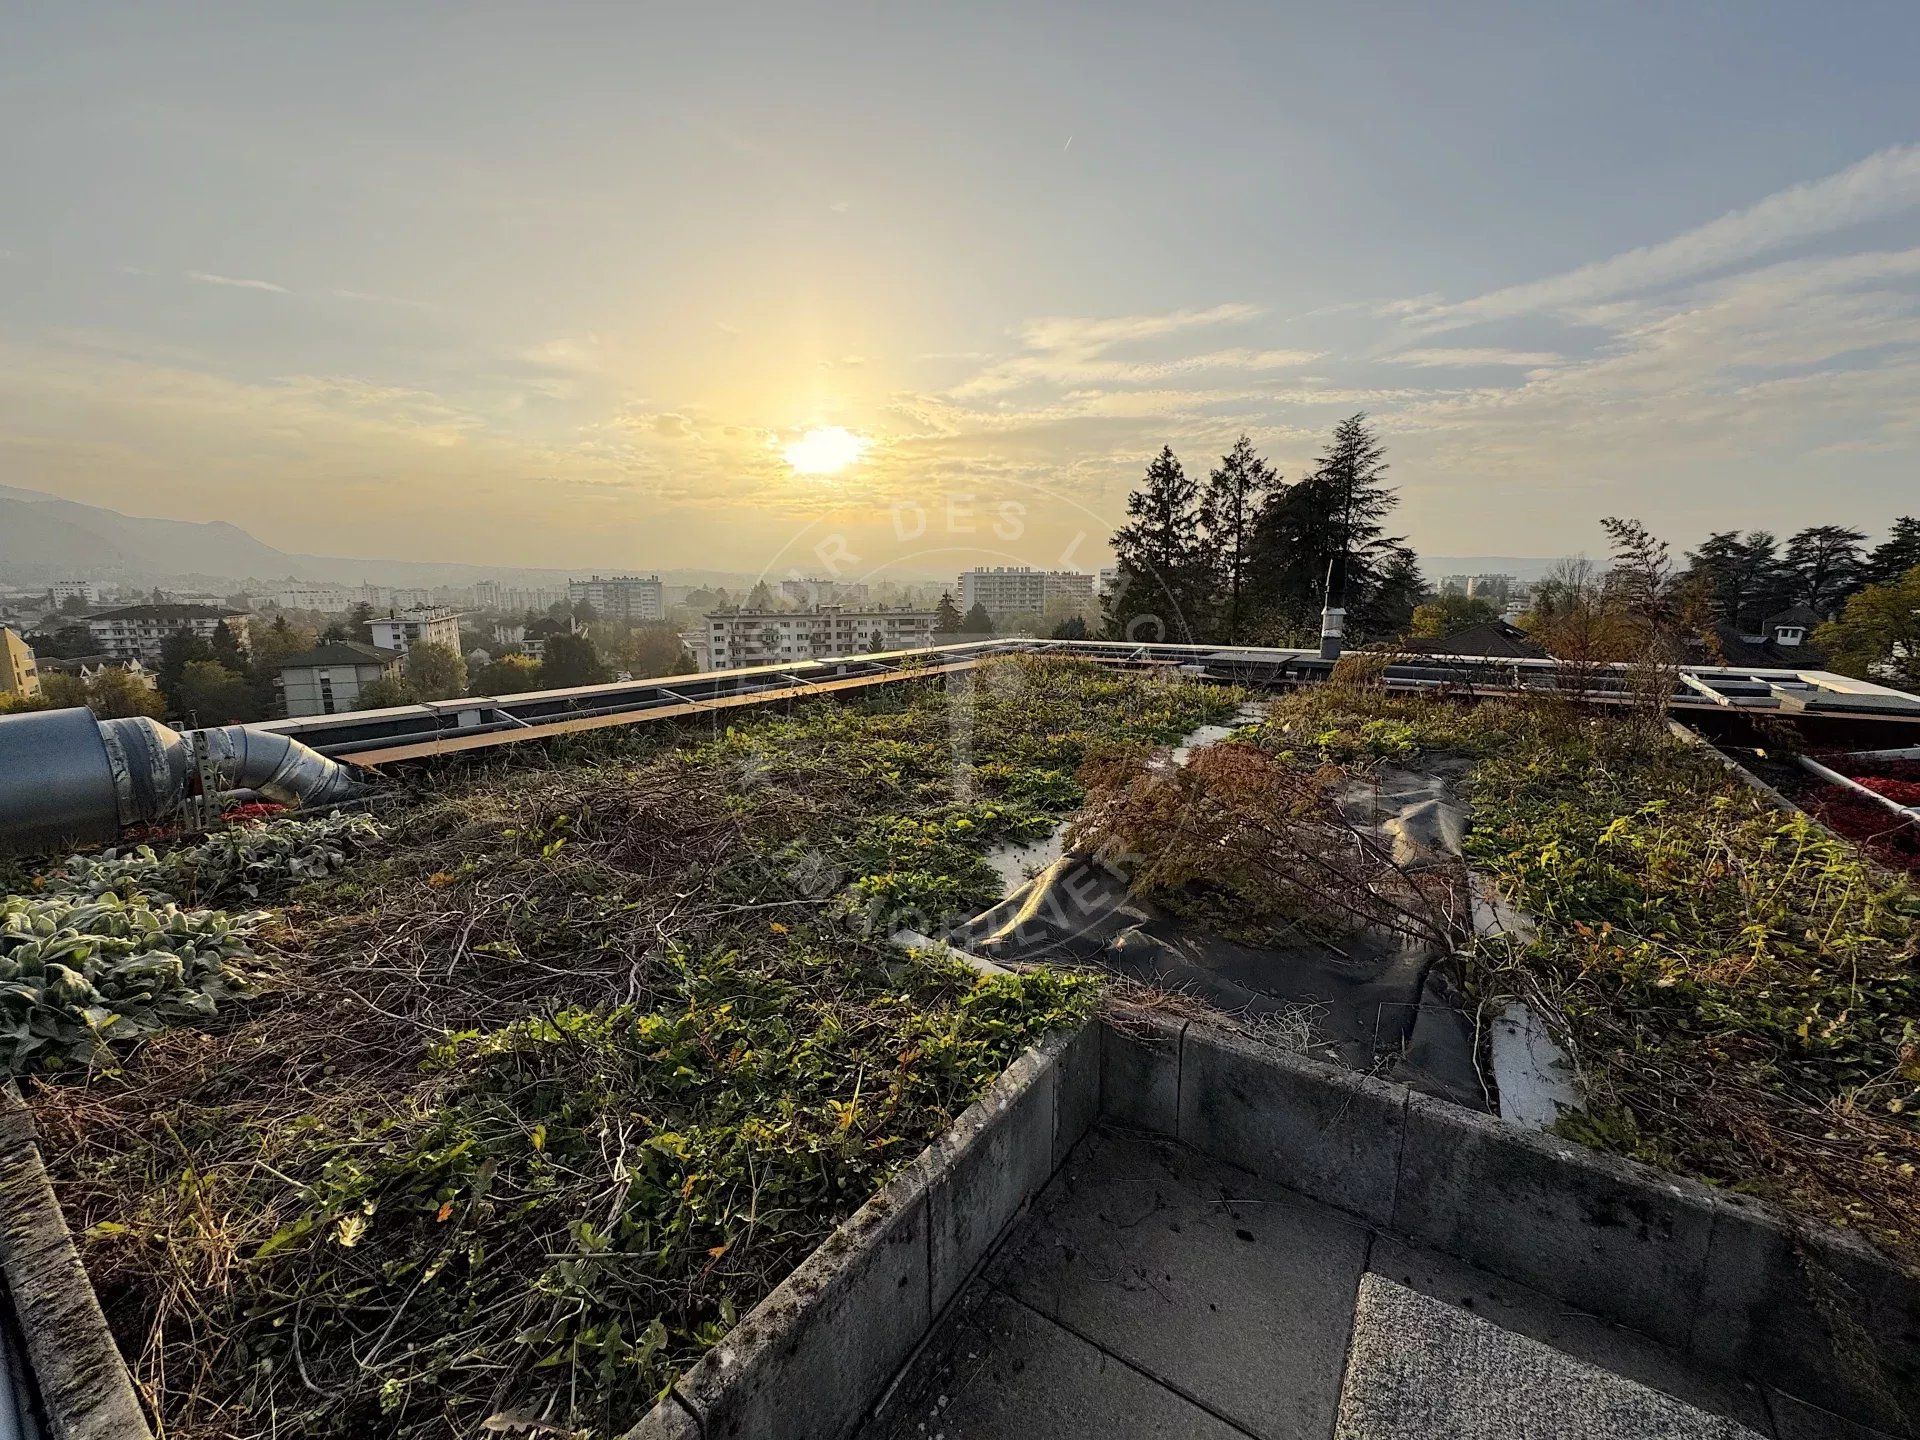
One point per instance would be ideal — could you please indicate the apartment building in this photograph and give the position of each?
(625, 599)
(86, 591)
(739, 638)
(138, 632)
(18, 673)
(492, 595)
(328, 680)
(400, 629)
(1007, 590)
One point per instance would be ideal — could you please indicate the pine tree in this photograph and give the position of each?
(1824, 563)
(1236, 489)
(227, 648)
(946, 616)
(1342, 505)
(1161, 588)
(978, 621)
(1894, 556)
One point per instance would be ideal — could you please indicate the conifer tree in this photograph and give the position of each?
(1235, 491)
(1894, 556)
(1161, 589)
(1341, 505)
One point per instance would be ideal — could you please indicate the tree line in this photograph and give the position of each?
(1242, 557)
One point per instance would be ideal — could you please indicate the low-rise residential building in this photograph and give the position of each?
(400, 630)
(19, 675)
(138, 632)
(1007, 590)
(739, 638)
(328, 680)
(628, 599)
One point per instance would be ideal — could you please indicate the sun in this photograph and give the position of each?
(825, 450)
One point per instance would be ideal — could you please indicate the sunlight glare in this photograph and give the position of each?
(825, 450)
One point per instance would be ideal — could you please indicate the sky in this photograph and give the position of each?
(564, 285)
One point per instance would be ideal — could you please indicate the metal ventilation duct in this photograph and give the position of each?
(66, 777)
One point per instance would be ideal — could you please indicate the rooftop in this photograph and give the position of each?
(620, 1028)
(170, 610)
(340, 652)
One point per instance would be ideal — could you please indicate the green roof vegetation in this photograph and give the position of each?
(569, 1065)
(1739, 990)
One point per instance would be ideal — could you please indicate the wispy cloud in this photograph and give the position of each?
(1885, 183)
(1062, 352)
(1473, 355)
(237, 282)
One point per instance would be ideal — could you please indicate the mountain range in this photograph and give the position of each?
(44, 538)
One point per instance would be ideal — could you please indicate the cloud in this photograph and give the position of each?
(1885, 183)
(237, 282)
(1470, 355)
(1075, 353)
(1061, 332)
(341, 293)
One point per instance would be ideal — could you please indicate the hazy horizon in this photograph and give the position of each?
(576, 289)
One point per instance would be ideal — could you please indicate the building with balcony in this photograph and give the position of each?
(621, 599)
(739, 638)
(139, 632)
(19, 675)
(1009, 590)
(401, 629)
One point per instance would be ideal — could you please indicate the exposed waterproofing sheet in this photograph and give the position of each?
(1375, 1001)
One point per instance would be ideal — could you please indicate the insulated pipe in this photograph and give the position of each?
(278, 766)
(67, 778)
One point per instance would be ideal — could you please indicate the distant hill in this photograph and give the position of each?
(44, 538)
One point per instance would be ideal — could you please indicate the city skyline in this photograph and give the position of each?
(558, 291)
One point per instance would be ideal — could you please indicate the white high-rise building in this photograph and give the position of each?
(1008, 590)
(85, 590)
(628, 599)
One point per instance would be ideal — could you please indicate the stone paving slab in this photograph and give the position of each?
(1421, 1369)
(1000, 1371)
(1526, 1311)
(1233, 1288)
